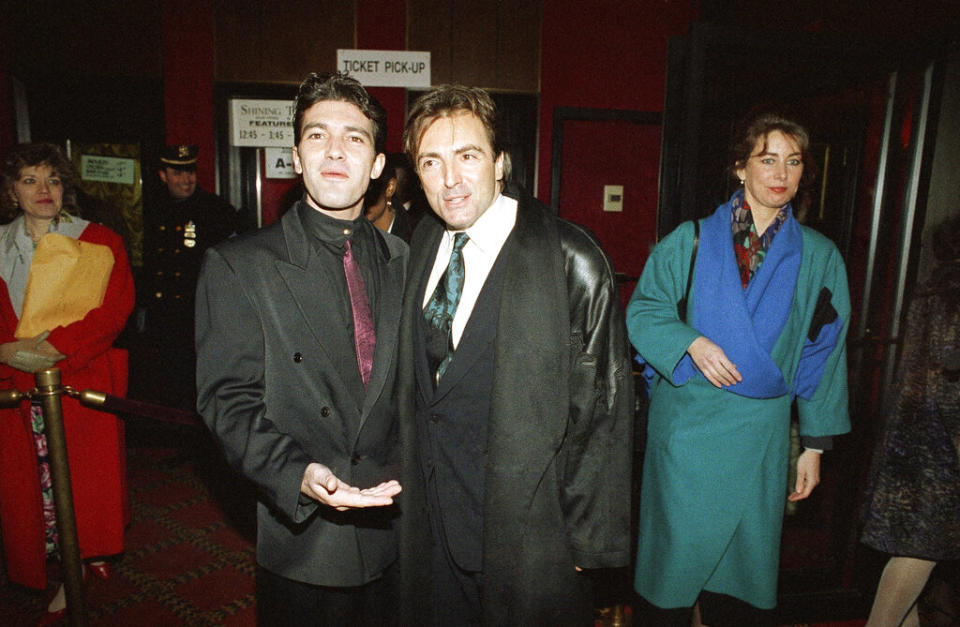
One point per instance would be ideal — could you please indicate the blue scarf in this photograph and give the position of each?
(744, 323)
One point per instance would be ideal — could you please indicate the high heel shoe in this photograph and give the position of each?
(51, 618)
(100, 570)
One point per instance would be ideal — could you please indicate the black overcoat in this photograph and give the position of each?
(557, 483)
(270, 393)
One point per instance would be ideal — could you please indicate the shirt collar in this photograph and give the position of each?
(492, 228)
(327, 229)
(19, 240)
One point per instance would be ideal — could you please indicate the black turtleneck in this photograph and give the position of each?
(328, 236)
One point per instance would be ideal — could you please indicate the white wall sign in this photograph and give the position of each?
(386, 68)
(106, 169)
(261, 123)
(279, 163)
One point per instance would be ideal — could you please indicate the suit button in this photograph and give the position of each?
(356, 459)
(324, 411)
(434, 418)
(297, 357)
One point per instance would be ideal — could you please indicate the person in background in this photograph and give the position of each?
(297, 351)
(912, 507)
(180, 223)
(765, 325)
(379, 205)
(515, 393)
(38, 194)
(409, 194)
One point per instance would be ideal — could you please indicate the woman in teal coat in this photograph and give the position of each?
(765, 325)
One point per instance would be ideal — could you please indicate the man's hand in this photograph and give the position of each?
(808, 475)
(713, 363)
(322, 485)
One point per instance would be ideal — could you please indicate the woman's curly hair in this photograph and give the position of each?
(27, 155)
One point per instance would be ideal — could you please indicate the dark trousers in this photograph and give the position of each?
(716, 610)
(282, 601)
(456, 592)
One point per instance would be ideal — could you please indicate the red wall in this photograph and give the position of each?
(631, 158)
(188, 72)
(382, 25)
(607, 55)
(596, 53)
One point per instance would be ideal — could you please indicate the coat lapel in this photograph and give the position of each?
(310, 289)
(745, 324)
(481, 328)
(421, 262)
(389, 307)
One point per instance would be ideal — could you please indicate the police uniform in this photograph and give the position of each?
(176, 234)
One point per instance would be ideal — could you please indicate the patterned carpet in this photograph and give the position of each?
(189, 556)
(188, 560)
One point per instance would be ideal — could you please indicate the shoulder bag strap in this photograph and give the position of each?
(682, 305)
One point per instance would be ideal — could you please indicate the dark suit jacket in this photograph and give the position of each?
(268, 392)
(558, 446)
(452, 424)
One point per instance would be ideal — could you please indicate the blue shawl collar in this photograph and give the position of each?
(744, 323)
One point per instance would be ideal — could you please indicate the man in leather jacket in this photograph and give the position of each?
(515, 391)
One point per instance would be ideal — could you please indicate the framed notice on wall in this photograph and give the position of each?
(110, 190)
(261, 123)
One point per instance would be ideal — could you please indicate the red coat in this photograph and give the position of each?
(95, 442)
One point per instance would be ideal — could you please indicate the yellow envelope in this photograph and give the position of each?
(67, 279)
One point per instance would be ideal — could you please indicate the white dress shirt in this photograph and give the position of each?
(487, 236)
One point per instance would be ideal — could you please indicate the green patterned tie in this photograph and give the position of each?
(443, 303)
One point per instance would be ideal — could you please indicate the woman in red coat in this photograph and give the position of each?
(37, 191)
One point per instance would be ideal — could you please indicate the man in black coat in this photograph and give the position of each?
(181, 221)
(295, 387)
(515, 391)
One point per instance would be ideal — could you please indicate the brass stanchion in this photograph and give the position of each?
(50, 391)
(10, 398)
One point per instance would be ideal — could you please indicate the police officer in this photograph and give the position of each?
(182, 222)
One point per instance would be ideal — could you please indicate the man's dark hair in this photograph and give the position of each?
(317, 87)
(447, 101)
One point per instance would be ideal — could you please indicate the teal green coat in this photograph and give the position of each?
(715, 472)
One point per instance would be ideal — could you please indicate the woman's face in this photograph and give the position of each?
(771, 175)
(38, 191)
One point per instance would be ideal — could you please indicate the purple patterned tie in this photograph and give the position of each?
(364, 337)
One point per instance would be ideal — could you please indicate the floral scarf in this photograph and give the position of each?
(749, 247)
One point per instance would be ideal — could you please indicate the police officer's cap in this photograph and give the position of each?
(180, 157)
